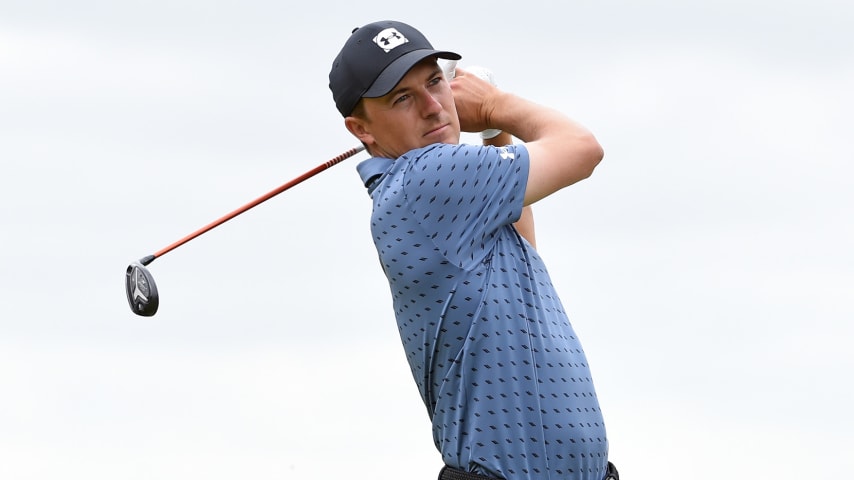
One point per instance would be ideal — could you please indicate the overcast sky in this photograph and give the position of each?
(707, 265)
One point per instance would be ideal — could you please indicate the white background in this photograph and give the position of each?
(707, 264)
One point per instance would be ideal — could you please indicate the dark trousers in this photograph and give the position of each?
(448, 473)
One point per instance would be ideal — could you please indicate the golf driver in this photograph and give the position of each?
(139, 284)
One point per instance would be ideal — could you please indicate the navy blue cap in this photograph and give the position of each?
(374, 59)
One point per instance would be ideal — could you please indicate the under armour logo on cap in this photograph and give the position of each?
(389, 39)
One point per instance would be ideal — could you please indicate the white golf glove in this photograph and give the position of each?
(450, 70)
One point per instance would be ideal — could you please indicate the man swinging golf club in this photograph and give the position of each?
(497, 363)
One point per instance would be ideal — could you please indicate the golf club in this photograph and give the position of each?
(139, 284)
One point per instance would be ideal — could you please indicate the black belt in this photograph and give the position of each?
(448, 473)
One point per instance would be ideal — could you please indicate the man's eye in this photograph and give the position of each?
(400, 99)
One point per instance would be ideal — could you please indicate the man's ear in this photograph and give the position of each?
(359, 129)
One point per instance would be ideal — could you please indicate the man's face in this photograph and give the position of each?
(419, 111)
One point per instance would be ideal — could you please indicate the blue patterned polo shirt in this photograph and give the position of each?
(498, 365)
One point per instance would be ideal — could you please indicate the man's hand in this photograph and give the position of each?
(487, 75)
(473, 96)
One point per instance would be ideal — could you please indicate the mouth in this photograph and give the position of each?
(437, 131)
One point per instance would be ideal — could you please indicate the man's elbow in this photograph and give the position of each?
(591, 154)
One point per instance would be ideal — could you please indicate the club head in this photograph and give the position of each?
(141, 290)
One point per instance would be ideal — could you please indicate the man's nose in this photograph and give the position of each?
(430, 105)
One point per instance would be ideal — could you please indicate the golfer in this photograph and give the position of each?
(499, 367)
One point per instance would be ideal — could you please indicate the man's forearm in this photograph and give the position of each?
(562, 151)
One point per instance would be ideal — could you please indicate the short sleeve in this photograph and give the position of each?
(463, 195)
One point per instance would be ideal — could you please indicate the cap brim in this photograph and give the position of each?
(394, 73)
